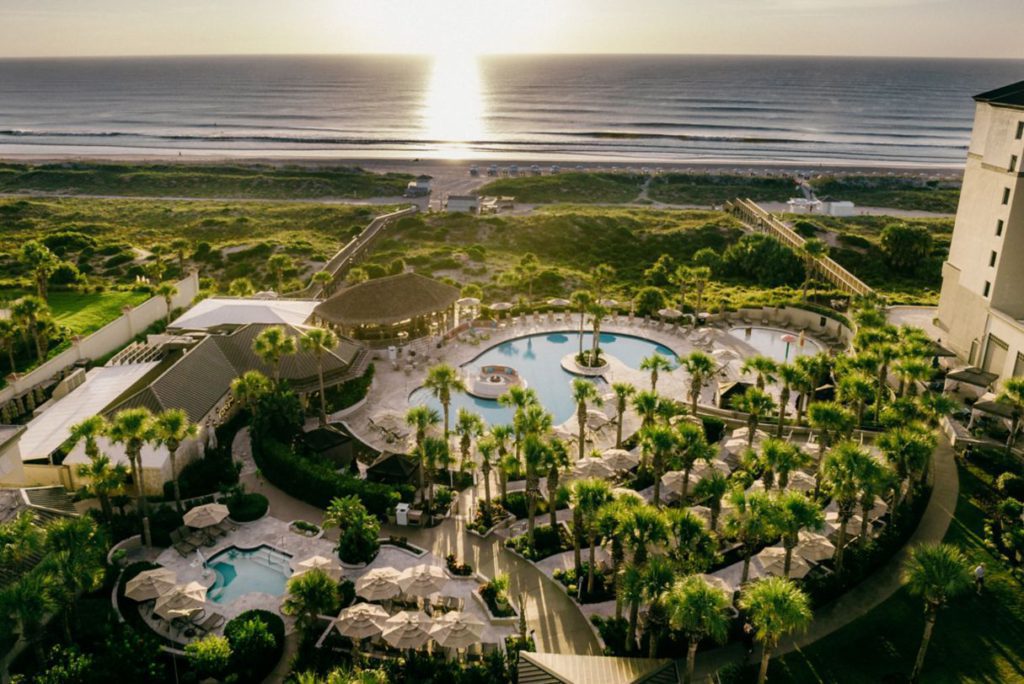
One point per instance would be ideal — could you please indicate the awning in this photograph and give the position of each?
(972, 376)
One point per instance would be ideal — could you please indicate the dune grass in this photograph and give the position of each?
(893, 192)
(570, 187)
(705, 189)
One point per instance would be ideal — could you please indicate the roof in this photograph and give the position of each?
(220, 312)
(466, 198)
(393, 467)
(45, 433)
(550, 668)
(388, 300)
(153, 455)
(203, 375)
(973, 376)
(1007, 96)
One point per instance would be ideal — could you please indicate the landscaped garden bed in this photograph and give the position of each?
(546, 542)
(305, 529)
(604, 588)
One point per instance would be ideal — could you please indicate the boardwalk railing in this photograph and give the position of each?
(757, 219)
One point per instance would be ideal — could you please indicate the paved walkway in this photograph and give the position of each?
(878, 587)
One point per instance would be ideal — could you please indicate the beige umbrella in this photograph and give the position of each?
(378, 584)
(361, 621)
(800, 481)
(407, 629)
(181, 601)
(151, 584)
(832, 524)
(422, 580)
(879, 509)
(207, 515)
(500, 306)
(468, 301)
(814, 547)
(742, 432)
(702, 512)
(736, 445)
(619, 492)
(590, 467)
(559, 302)
(673, 480)
(670, 313)
(755, 486)
(457, 630)
(719, 583)
(620, 459)
(702, 468)
(773, 561)
(328, 566)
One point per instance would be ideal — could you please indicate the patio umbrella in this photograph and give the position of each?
(673, 480)
(206, 516)
(328, 566)
(832, 523)
(773, 560)
(559, 302)
(591, 467)
(181, 601)
(800, 481)
(620, 459)
(422, 580)
(719, 583)
(407, 629)
(670, 313)
(814, 547)
(151, 584)
(361, 620)
(879, 509)
(755, 486)
(736, 446)
(743, 432)
(609, 303)
(619, 492)
(500, 306)
(378, 584)
(702, 468)
(457, 630)
(702, 512)
(468, 301)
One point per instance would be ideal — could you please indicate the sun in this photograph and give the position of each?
(454, 106)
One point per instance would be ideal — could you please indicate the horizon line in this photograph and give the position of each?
(502, 54)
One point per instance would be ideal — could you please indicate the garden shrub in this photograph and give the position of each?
(257, 642)
(348, 393)
(714, 428)
(162, 521)
(209, 656)
(613, 632)
(246, 507)
(546, 542)
(1011, 485)
(204, 476)
(762, 259)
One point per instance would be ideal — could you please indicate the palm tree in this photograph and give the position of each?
(28, 601)
(937, 573)
(89, 431)
(486, 446)
(681, 278)
(776, 608)
(507, 462)
(1013, 396)
(659, 443)
(841, 470)
(701, 368)
(795, 512)
(711, 489)
(442, 381)
(249, 388)
(518, 399)
(597, 314)
(641, 526)
(832, 422)
(588, 497)
(180, 247)
(812, 250)
(700, 612)
(750, 523)
(9, 335)
(623, 391)
(790, 376)
(241, 287)
(645, 403)
(319, 341)
(556, 458)
(168, 292)
(907, 451)
(856, 389)
(310, 594)
(755, 403)
(655, 363)
(780, 459)
(763, 367)
(699, 278)
(658, 576)
(468, 426)
(271, 345)
(817, 368)
(20, 539)
(132, 428)
(324, 280)
(629, 590)
(103, 481)
(33, 314)
(873, 479)
(77, 559)
(692, 446)
(433, 451)
(582, 301)
(278, 264)
(171, 428)
(535, 454)
(584, 392)
(691, 546)
(41, 262)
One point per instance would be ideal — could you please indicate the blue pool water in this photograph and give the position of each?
(768, 342)
(538, 360)
(246, 571)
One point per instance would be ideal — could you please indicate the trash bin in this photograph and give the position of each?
(402, 514)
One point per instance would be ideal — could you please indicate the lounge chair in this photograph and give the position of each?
(180, 545)
(209, 622)
(190, 536)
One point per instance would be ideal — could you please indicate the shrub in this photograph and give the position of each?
(358, 529)
(246, 507)
(714, 428)
(1011, 485)
(613, 632)
(204, 476)
(457, 568)
(854, 240)
(346, 593)
(257, 641)
(495, 595)
(762, 259)
(546, 542)
(349, 393)
(162, 521)
(209, 655)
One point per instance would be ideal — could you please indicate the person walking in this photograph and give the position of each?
(749, 636)
(979, 578)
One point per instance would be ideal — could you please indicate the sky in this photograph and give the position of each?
(903, 28)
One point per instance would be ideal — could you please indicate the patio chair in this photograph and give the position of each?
(209, 622)
(183, 547)
(190, 536)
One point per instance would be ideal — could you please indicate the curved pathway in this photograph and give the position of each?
(881, 585)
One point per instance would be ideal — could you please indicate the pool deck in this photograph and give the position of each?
(388, 399)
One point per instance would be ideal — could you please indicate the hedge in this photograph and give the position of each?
(316, 482)
(254, 665)
(247, 507)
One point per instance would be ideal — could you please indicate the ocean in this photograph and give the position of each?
(629, 109)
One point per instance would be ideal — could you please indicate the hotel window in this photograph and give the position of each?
(1020, 130)
(988, 286)
(1013, 163)
(999, 227)
(1006, 195)
(992, 259)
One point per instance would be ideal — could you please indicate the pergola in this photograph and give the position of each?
(391, 310)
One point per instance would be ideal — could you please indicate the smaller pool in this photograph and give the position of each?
(769, 342)
(246, 571)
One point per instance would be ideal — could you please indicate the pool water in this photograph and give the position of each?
(246, 571)
(538, 359)
(768, 342)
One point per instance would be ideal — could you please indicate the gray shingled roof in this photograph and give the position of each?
(551, 668)
(1008, 96)
(387, 300)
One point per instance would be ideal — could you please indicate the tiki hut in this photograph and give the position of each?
(391, 310)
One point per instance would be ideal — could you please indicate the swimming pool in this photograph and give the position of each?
(538, 359)
(769, 342)
(246, 571)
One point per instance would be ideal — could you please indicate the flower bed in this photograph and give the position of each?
(305, 529)
(456, 568)
(546, 542)
(486, 519)
(403, 543)
(604, 589)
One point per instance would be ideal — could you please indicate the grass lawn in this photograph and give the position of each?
(706, 189)
(87, 312)
(577, 188)
(201, 180)
(976, 639)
